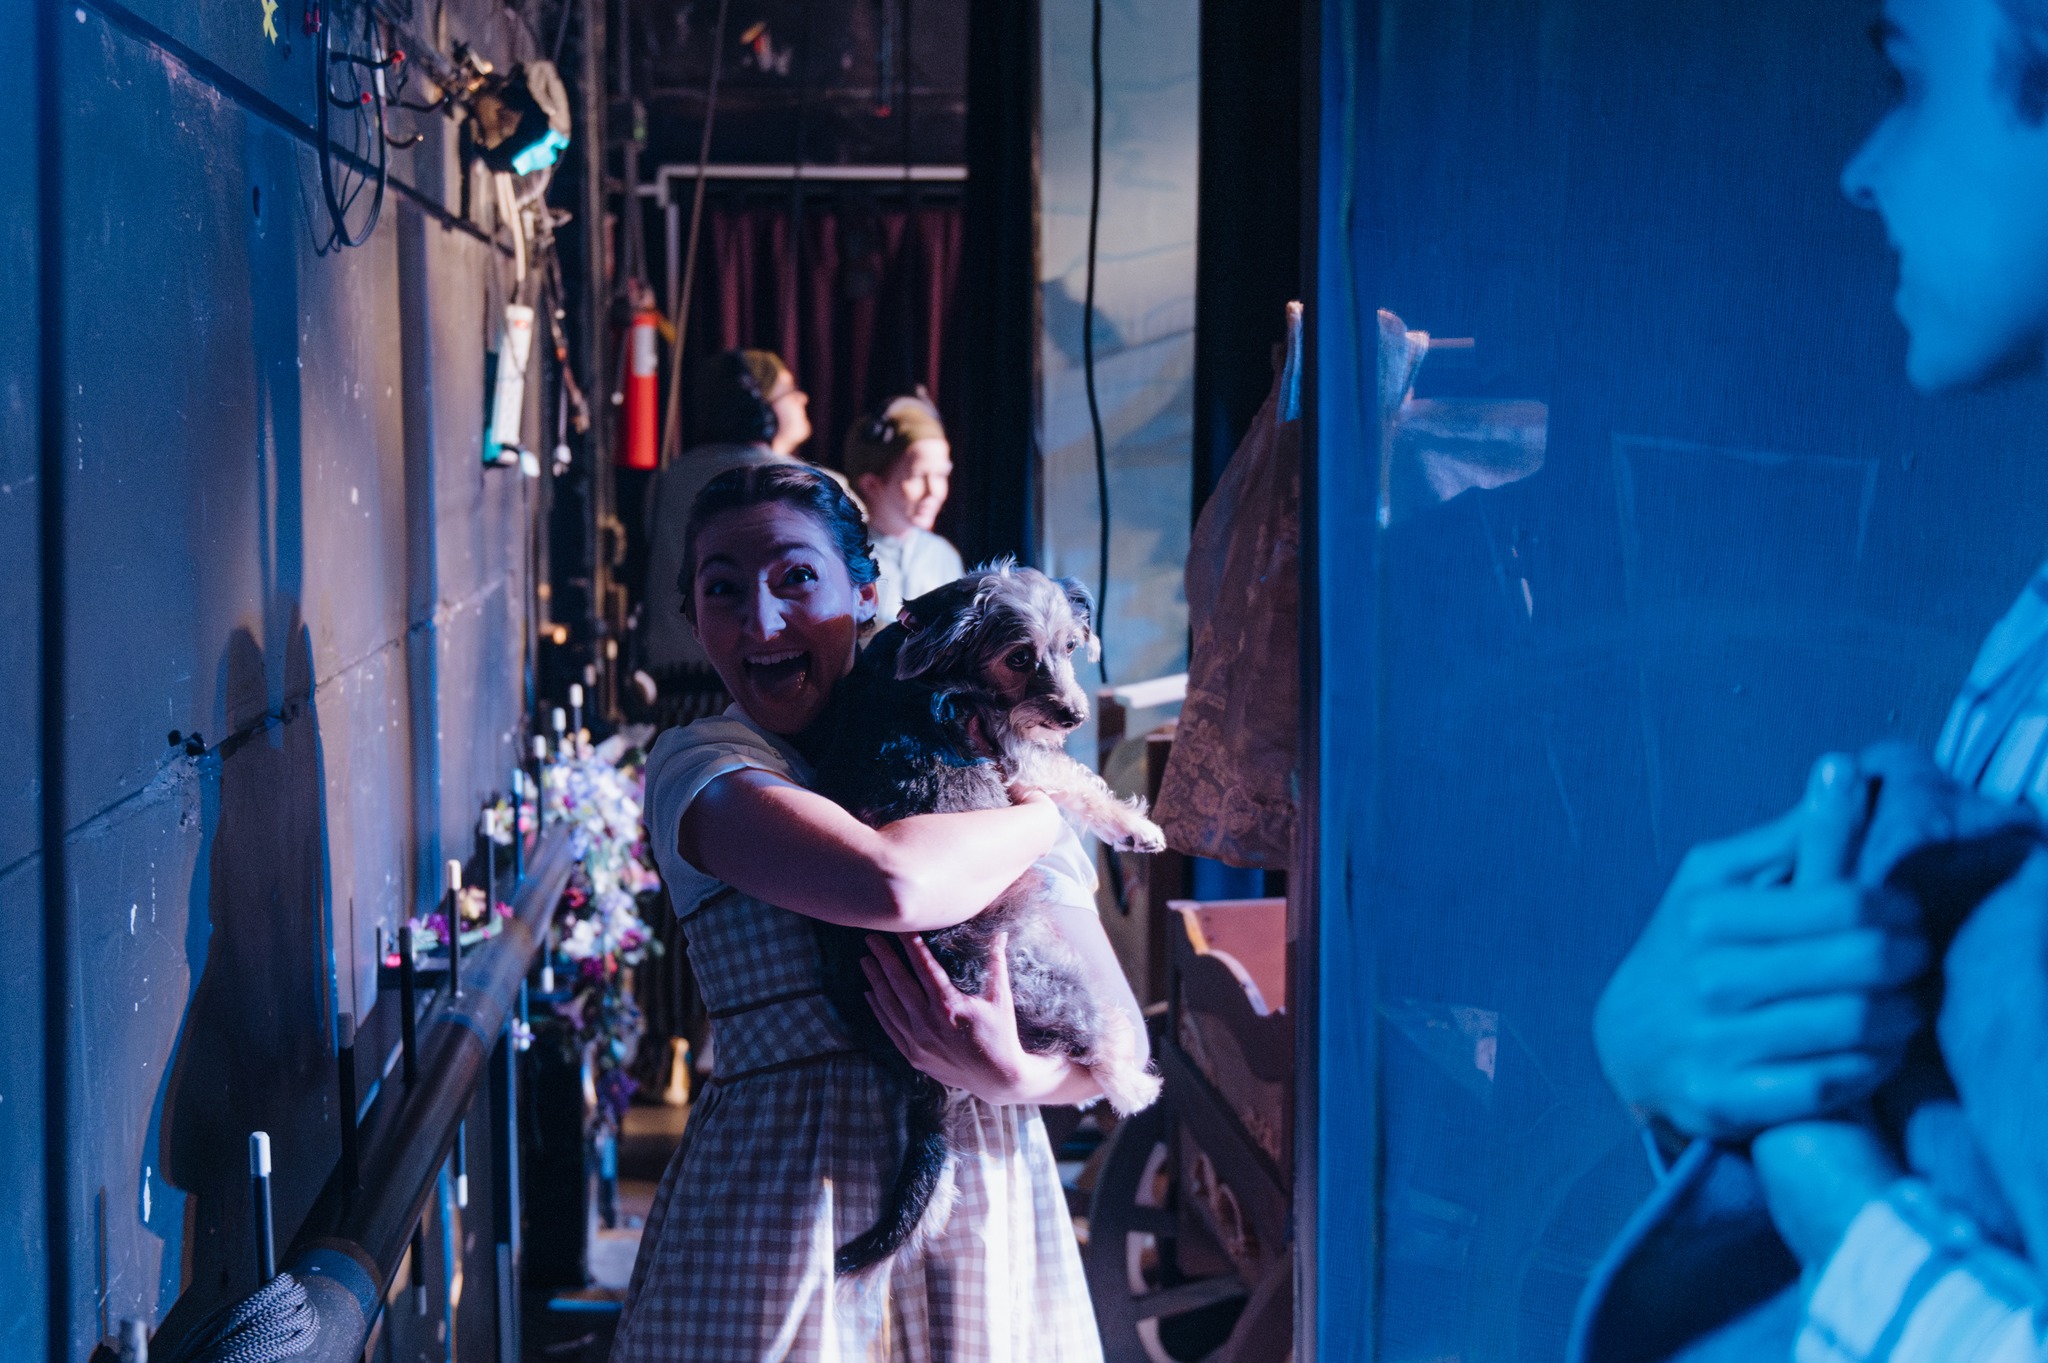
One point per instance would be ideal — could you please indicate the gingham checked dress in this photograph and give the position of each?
(792, 1142)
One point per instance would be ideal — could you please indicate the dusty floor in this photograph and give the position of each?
(576, 1327)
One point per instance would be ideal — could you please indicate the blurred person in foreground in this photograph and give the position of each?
(1835, 1027)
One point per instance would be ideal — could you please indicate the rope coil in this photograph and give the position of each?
(273, 1324)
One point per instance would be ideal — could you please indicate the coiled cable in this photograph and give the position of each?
(341, 199)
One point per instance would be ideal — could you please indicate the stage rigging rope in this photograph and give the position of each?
(274, 1324)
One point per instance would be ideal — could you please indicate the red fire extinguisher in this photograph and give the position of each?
(639, 443)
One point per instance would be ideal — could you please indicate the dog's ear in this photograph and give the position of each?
(1080, 598)
(941, 625)
(1083, 603)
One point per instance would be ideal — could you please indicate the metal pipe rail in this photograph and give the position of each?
(350, 1247)
(656, 185)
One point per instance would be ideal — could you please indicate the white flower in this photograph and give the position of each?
(582, 941)
(602, 802)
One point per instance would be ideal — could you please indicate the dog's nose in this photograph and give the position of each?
(1067, 717)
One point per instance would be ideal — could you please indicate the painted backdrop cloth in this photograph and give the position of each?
(788, 1151)
(1228, 792)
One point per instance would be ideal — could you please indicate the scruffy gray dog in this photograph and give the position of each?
(970, 692)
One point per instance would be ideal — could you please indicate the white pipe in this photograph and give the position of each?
(656, 187)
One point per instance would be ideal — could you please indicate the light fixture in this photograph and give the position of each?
(519, 122)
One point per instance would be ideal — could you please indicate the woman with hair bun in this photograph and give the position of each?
(745, 409)
(901, 466)
(792, 1145)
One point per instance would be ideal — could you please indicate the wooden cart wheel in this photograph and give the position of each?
(1148, 1309)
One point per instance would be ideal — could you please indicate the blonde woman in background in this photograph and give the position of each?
(901, 466)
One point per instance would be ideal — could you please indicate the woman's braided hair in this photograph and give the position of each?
(792, 484)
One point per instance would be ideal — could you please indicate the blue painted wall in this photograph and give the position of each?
(21, 1111)
(279, 536)
(1750, 543)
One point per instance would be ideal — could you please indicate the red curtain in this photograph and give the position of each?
(863, 312)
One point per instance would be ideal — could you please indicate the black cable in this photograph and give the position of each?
(1088, 345)
(562, 31)
(392, 92)
(338, 203)
(261, 106)
(394, 98)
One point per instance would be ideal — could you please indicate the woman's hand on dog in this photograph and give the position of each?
(961, 1040)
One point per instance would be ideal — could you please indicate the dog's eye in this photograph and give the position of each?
(1073, 644)
(1020, 661)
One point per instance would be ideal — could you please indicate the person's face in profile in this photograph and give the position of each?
(1958, 170)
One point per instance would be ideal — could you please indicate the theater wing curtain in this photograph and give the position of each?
(858, 296)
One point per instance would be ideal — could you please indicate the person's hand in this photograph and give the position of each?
(960, 1040)
(1766, 987)
(1817, 1175)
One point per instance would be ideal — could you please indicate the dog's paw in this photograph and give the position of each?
(1119, 1063)
(1129, 1089)
(1138, 834)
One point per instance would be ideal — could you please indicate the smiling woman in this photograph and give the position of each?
(789, 1152)
(1956, 168)
(777, 590)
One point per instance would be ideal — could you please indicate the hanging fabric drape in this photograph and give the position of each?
(863, 312)
(1229, 792)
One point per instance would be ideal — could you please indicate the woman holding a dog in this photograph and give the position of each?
(794, 1142)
